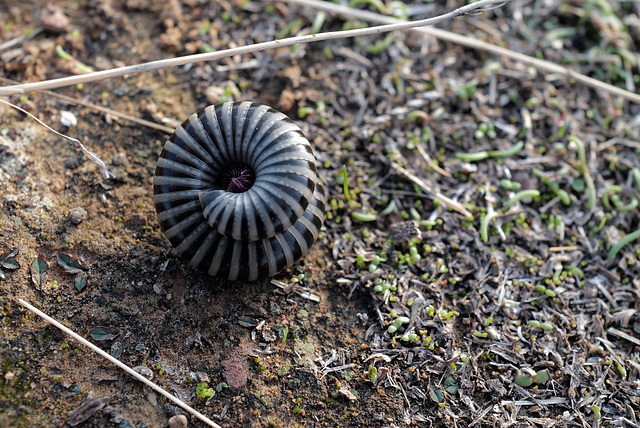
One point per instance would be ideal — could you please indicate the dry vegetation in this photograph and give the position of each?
(479, 264)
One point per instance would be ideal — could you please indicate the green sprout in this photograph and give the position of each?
(372, 373)
(468, 90)
(540, 377)
(584, 170)
(290, 28)
(382, 45)
(62, 54)
(553, 185)
(484, 225)
(364, 217)
(203, 390)
(510, 185)
(624, 241)
(478, 156)
(390, 208)
(610, 196)
(304, 111)
(529, 193)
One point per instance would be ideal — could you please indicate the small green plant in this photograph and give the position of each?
(541, 325)
(468, 90)
(371, 373)
(203, 390)
(596, 412)
(450, 385)
(540, 377)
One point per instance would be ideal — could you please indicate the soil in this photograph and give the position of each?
(538, 294)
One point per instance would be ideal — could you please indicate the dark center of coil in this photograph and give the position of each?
(237, 178)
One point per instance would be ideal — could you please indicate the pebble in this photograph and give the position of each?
(201, 377)
(77, 215)
(120, 159)
(234, 372)
(54, 20)
(178, 421)
(46, 203)
(68, 119)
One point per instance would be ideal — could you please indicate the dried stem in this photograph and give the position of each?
(73, 141)
(433, 193)
(124, 367)
(539, 64)
(173, 62)
(102, 109)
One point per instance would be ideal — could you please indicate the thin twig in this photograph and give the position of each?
(124, 367)
(115, 113)
(301, 291)
(430, 161)
(102, 109)
(73, 141)
(327, 370)
(547, 401)
(539, 64)
(450, 203)
(622, 334)
(20, 39)
(258, 47)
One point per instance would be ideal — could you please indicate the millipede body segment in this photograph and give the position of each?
(237, 191)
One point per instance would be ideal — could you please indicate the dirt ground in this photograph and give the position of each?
(523, 314)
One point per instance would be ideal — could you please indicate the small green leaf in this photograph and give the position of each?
(102, 333)
(364, 217)
(39, 270)
(436, 395)
(81, 281)
(450, 385)
(10, 253)
(11, 264)
(203, 391)
(524, 380)
(541, 377)
(116, 349)
(8, 262)
(69, 263)
(452, 389)
(247, 322)
(546, 326)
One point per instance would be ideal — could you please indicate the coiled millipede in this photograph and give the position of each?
(237, 191)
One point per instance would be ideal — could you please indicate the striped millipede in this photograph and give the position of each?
(237, 191)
